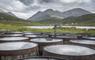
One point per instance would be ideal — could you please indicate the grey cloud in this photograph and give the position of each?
(47, 1)
(12, 5)
(58, 4)
(27, 2)
(32, 8)
(26, 6)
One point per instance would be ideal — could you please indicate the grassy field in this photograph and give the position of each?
(20, 27)
(87, 23)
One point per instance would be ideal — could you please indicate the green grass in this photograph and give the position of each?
(21, 28)
(65, 23)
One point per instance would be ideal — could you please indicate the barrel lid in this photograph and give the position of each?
(92, 38)
(13, 38)
(71, 50)
(66, 37)
(83, 41)
(12, 35)
(31, 35)
(14, 32)
(28, 33)
(45, 40)
(44, 58)
(41, 59)
(16, 46)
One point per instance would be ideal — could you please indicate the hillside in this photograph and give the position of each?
(88, 19)
(85, 20)
(50, 13)
(75, 12)
(8, 18)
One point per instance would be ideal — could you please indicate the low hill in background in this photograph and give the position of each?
(9, 18)
(88, 19)
(85, 20)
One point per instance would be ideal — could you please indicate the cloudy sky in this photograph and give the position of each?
(26, 8)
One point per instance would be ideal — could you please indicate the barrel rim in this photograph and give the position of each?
(50, 41)
(64, 54)
(36, 45)
(36, 57)
(76, 41)
(23, 39)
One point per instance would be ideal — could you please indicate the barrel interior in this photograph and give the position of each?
(83, 42)
(17, 50)
(71, 52)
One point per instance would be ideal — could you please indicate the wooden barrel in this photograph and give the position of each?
(84, 42)
(31, 36)
(66, 39)
(35, 35)
(44, 58)
(14, 39)
(42, 42)
(89, 38)
(71, 52)
(2, 32)
(79, 37)
(28, 33)
(12, 35)
(31, 33)
(17, 50)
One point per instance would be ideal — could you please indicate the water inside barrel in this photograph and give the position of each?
(83, 41)
(46, 40)
(16, 46)
(72, 50)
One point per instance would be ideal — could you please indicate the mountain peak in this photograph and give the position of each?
(75, 12)
(79, 9)
(49, 10)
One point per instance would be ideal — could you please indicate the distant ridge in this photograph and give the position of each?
(75, 12)
(50, 13)
(7, 13)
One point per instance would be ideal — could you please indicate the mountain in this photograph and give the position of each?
(7, 13)
(88, 19)
(7, 18)
(47, 14)
(75, 13)
(50, 13)
(11, 14)
(54, 13)
(39, 16)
